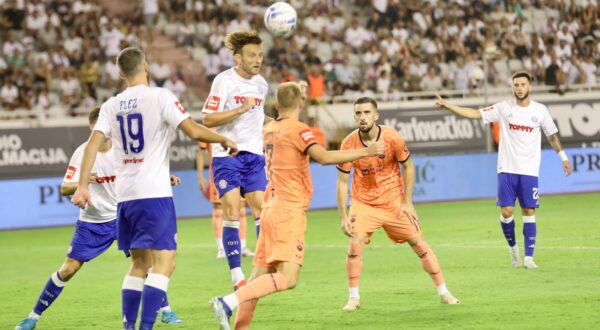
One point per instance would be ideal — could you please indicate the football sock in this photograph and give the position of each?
(442, 289)
(508, 228)
(231, 243)
(131, 295)
(429, 262)
(153, 295)
(51, 290)
(529, 233)
(165, 305)
(242, 243)
(244, 314)
(258, 288)
(353, 293)
(354, 264)
(257, 223)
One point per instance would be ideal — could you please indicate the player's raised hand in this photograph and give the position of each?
(346, 226)
(409, 209)
(440, 102)
(376, 149)
(567, 167)
(249, 103)
(231, 146)
(303, 89)
(81, 198)
(175, 180)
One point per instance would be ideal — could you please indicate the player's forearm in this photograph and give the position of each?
(200, 163)
(222, 118)
(342, 156)
(68, 188)
(409, 180)
(555, 142)
(89, 157)
(463, 112)
(200, 133)
(342, 198)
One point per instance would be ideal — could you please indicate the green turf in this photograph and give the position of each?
(396, 294)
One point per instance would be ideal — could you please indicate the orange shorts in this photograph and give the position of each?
(281, 237)
(398, 226)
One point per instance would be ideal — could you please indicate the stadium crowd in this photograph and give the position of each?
(59, 52)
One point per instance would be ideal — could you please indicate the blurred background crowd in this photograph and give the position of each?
(58, 57)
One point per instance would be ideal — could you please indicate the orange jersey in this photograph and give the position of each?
(286, 143)
(377, 181)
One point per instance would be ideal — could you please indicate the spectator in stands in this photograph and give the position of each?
(176, 85)
(316, 84)
(89, 74)
(40, 103)
(111, 73)
(554, 74)
(286, 75)
(41, 73)
(160, 71)
(460, 76)
(317, 131)
(12, 46)
(70, 88)
(356, 35)
(431, 81)
(346, 74)
(9, 94)
(110, 39)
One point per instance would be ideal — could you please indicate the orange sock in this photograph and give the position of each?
(244, 314)
(262, 286)
(429, 262)
(354, 264)
(217, 223)
(243, 222)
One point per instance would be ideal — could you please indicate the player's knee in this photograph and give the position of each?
(528, 212)
(69, 269)
(291, 282)
(507, 212)
(355, 249)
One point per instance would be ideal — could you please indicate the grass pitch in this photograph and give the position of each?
(395, 292)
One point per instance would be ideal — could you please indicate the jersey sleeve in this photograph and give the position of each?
(215, 102)
(103, 122)
(73, 169)
(303, 138)
(548, 125)
(345, 167)
(401, 149)
(173, 111)
(492, 113)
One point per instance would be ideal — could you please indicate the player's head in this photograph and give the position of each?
(93, 117)
(365, 113)
(132, 64)
(246, 47)
(521, 85)
(289, 97)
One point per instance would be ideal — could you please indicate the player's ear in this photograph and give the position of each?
(238, 57)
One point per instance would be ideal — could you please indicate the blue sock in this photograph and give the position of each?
(231, 243)
(53, 288)
(131, 296)
(155, 292)
(529, 233)
(508, 228)
(165, 302)
(257, 223)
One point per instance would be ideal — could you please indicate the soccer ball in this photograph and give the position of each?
(280, 19)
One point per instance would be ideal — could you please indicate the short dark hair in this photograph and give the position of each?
(235, 41)
(521, 74)
(366, 99)
(93, 115)
(288, 94)
(129, 61)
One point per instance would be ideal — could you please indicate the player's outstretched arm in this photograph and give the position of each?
(408, 167)
(329, 157)
(82, 195)
(556, 145)
(200, 169)
(342, 197)
(202, 134)
(221, 118)
(464, 112)
(69, 188)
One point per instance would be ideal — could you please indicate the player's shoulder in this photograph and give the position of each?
(259, 79)
(538, 105)
(351, 138)
(224, 75)
(80, 149)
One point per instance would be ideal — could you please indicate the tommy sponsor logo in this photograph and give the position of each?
(307, 136)
(71, 170)
(106, 179)
(212, 103)
(222, 184)
(521, 128)
(180, 107)
(242, 99)
(133, 161)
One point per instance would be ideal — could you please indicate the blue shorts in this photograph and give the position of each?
(91, 239)
(147, 224)
(525, 187)
(246, 170)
